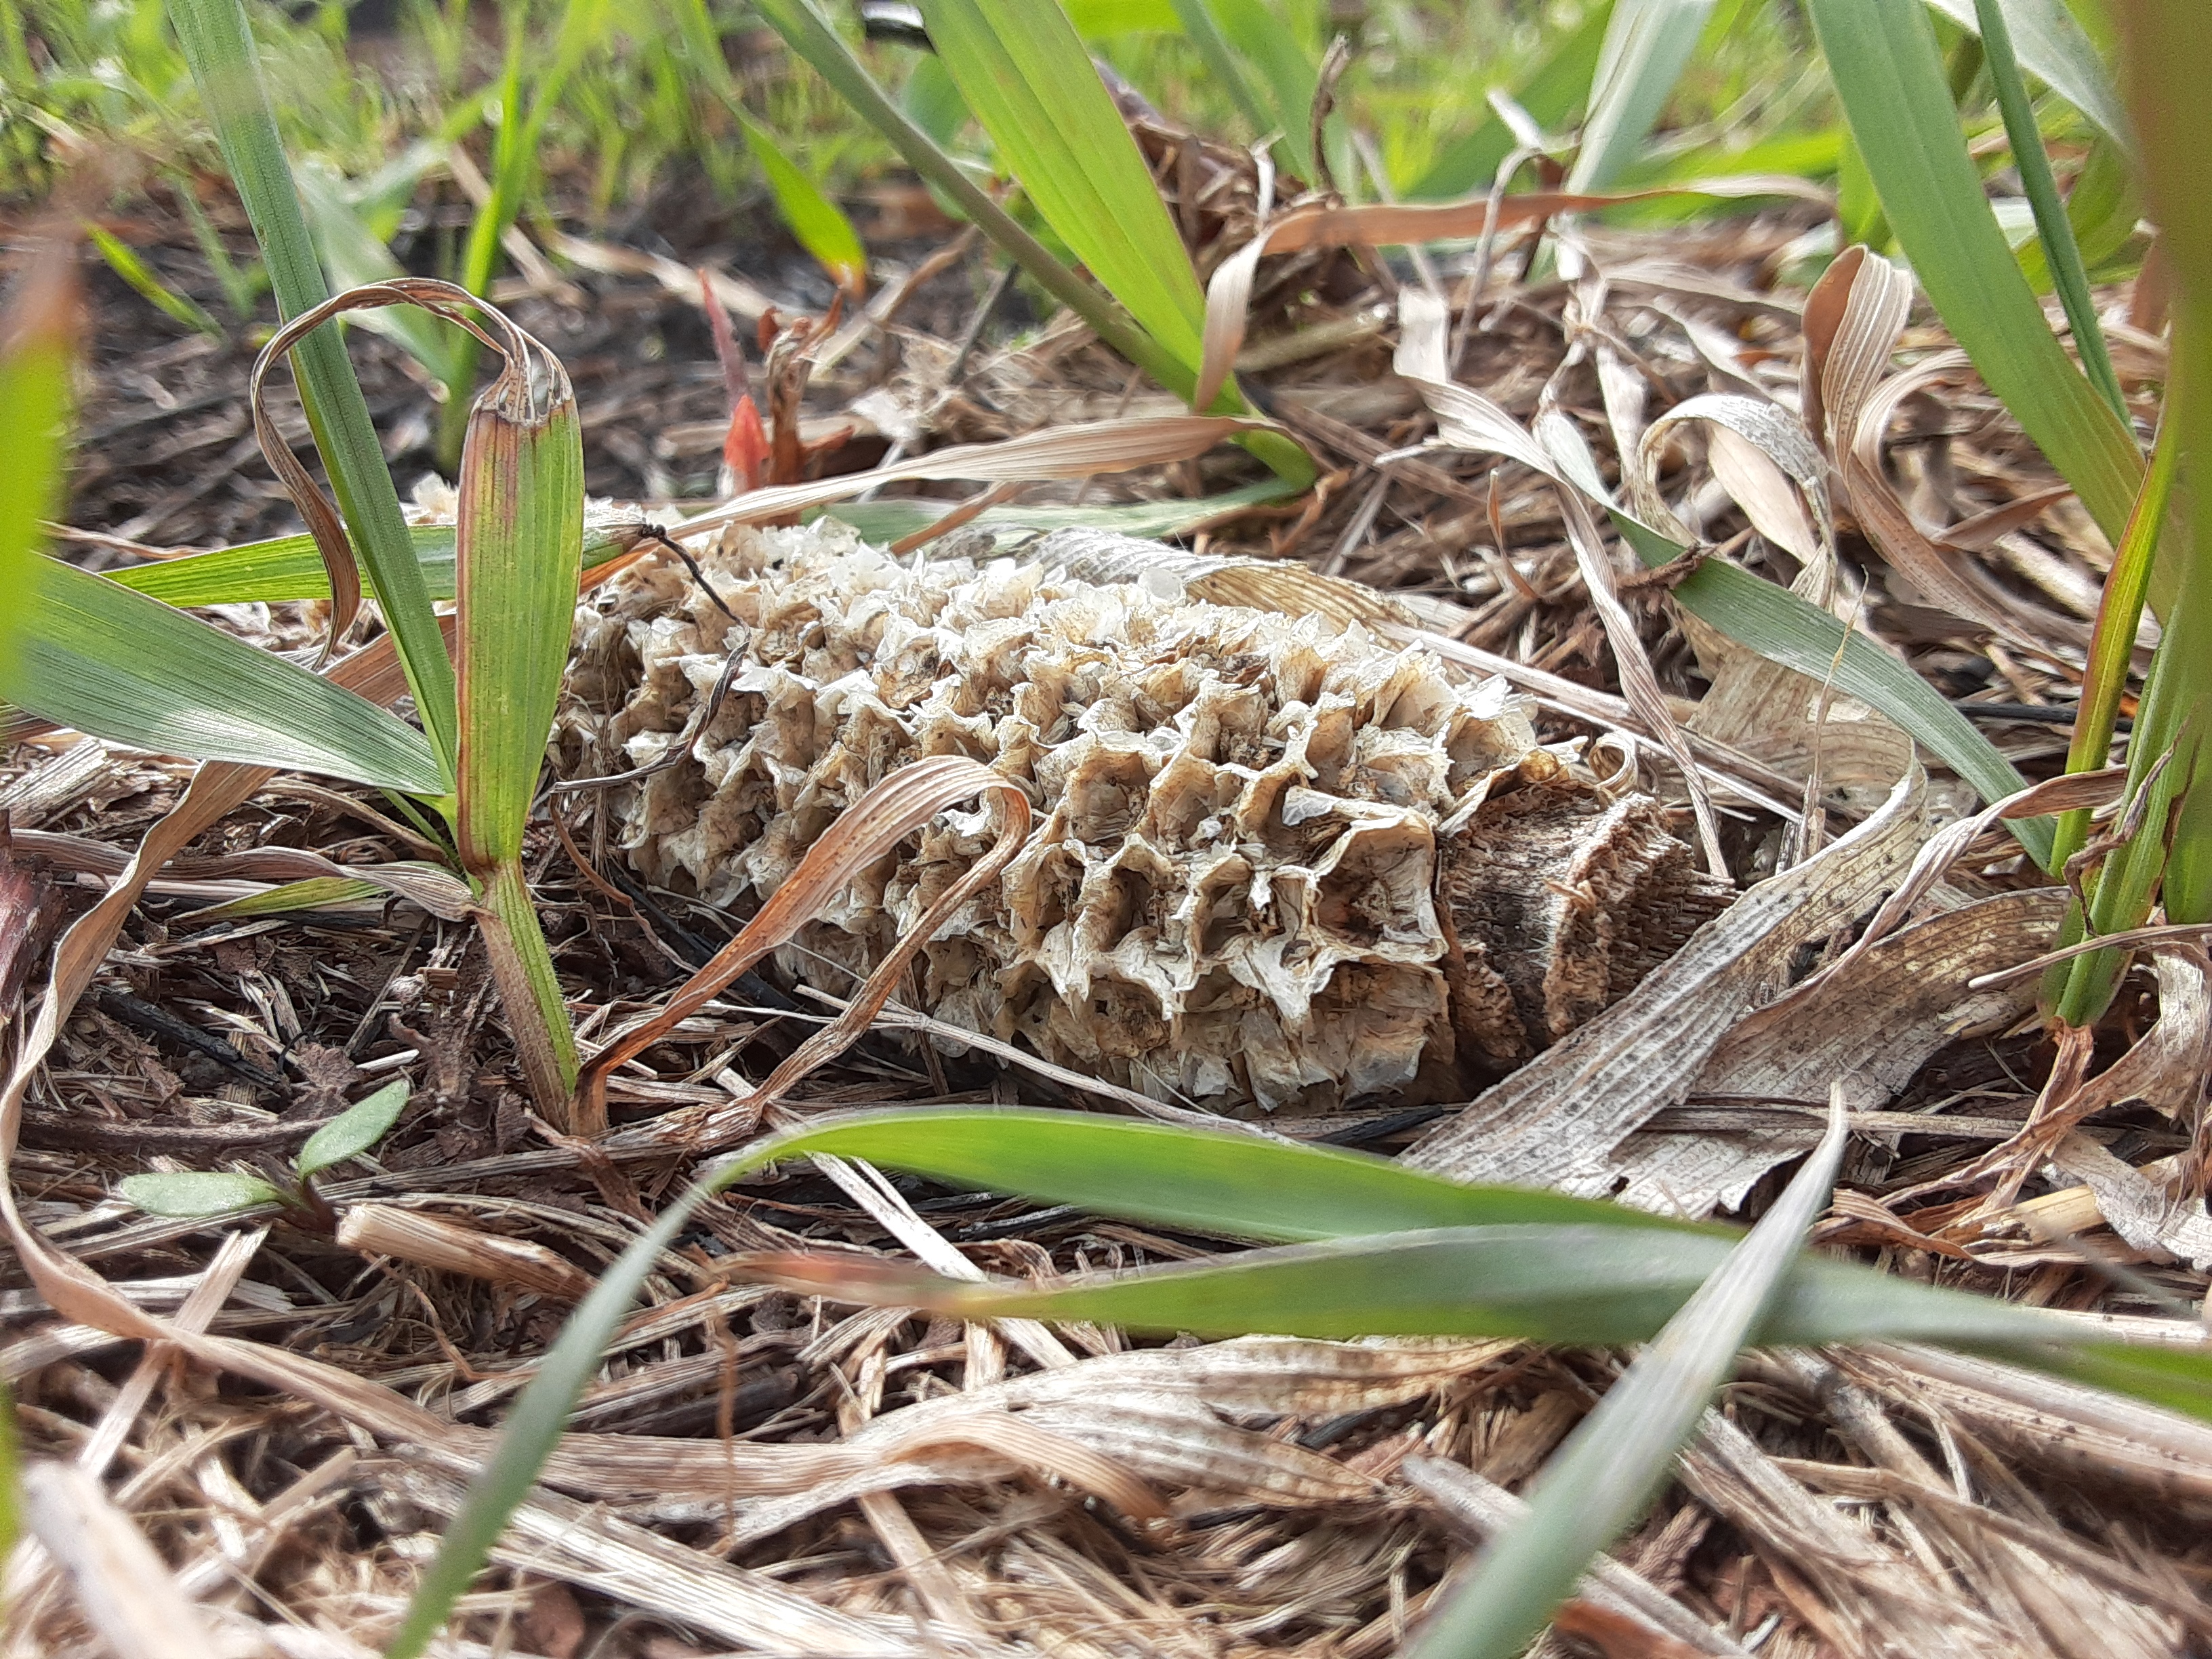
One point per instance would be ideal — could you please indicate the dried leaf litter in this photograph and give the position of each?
(1282, 861)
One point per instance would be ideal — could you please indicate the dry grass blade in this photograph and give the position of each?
(867, 829)
(1228, 292)
(1888, 74)
(619, 1559)
(387, 1230)
(122, 1587)
(1854, 316)
(1466, 419)
(323, 524)
(1073, 452)
(1639, 682)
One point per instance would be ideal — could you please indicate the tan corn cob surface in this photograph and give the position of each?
(1281, 862)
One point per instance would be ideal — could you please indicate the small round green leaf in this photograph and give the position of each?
(198, 1193)
(354, 1131)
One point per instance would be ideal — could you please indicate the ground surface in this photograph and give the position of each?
(758, 1471)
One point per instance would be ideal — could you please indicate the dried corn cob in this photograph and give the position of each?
(1282, 861)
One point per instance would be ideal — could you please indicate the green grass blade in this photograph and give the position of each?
(1789, 631)
(2112, 644)
(1614, 1280)
(11, 1485)
(1203, 31)
(817, 45)
(355, 255)
(516, 143)
(93, 655)
(1551, 94)
(220, 49)
(819, 223)
(241, 286)
(2162, 44)
(517, 553)
(38, 343)
(2052, 46)
(2053, 229)
(1882, 57)
(289, 568)
(1262, 37)
(532, 1429)
(1024, 73)
(1597, 1285)
(2169, 774)
(122, 260)
(1221, 1182)
(1647, 44)
(1615, 1460)
(287, 898)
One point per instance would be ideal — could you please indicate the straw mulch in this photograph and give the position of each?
(756, 1472)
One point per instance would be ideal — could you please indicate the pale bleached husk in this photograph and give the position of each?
(1231, 896)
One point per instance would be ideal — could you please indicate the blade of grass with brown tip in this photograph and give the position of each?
(517, 551)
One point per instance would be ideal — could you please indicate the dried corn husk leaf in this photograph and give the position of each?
(1557, 1120)
(1874, 1020)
